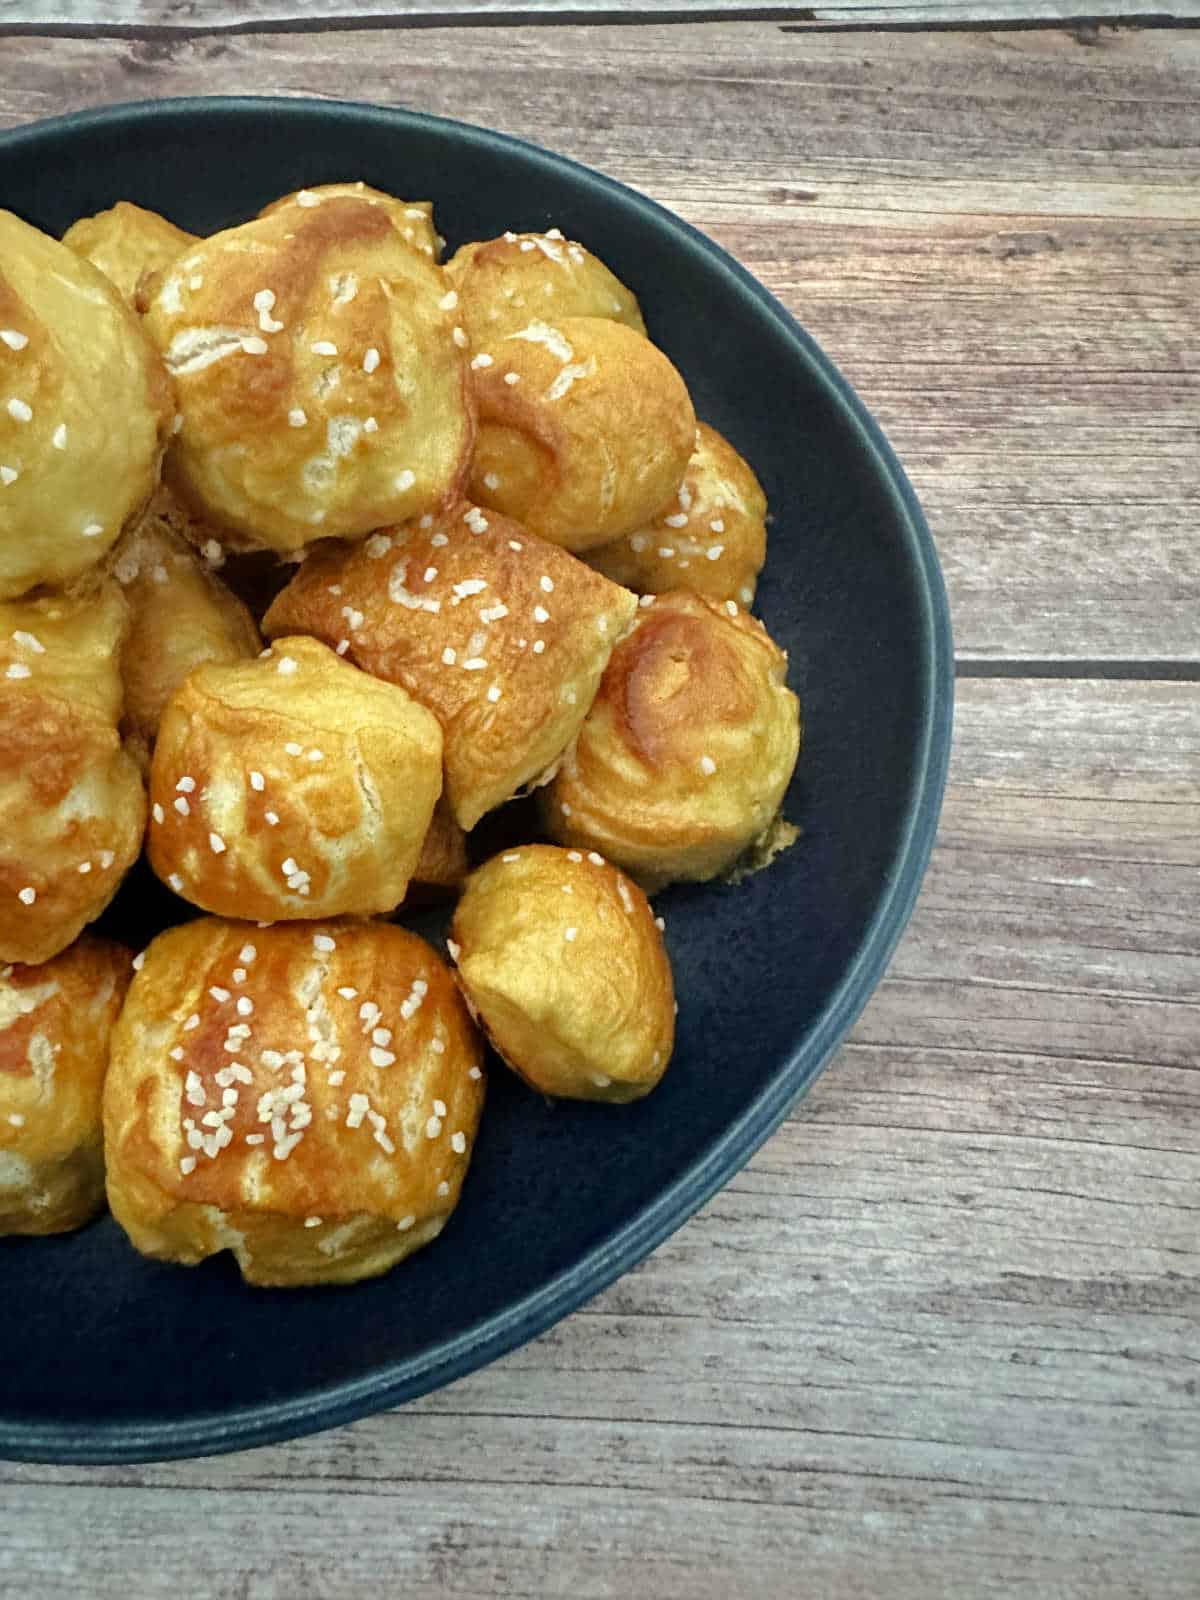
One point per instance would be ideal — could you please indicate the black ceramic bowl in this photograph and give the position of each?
(107, 1357)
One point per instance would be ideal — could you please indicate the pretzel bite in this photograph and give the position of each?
(84, 411)
(182, 615)
(585, 429)
(72, 808)
(412, 219)
(306, 1096)
(683, 760)
(501, 635)
(292, 786)
(321, 390)
(561, 961)
(129, 245)
(503, 282)
(711, 539)
(55, 1024)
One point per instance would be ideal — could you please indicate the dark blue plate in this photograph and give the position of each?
(107, 1357)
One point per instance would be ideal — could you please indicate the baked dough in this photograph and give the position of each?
(84, 411)
(503, 283)
(585, 429)
(321, 389)
(72, 808)
(306, 1096)
(129, 245)
(182, 615)
(711, 539)
(292, 786)
(684, 758)
(501, 635)
(412, 219)
(561, 961)
(55, 1025)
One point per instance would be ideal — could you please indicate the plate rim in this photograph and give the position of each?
(394, 1383)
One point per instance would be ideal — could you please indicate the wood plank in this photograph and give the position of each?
(190, 16)
(942, 1327)
(995, 235)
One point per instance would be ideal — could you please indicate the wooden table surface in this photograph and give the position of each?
(941, 1335)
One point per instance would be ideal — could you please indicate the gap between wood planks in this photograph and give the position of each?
(1085, 25)
(1097, 671)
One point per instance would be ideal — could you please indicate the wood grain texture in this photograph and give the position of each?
(997, 236)
(939, 1337)
(108, 17)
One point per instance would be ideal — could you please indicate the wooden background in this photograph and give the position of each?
(941, 1335)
